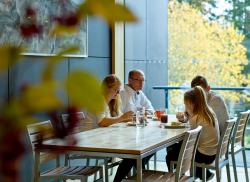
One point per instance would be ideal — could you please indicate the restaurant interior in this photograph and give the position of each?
(55, 57)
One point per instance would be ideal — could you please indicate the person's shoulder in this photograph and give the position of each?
(142, 94)
(214, 96)
(127, 88)
(126, 91)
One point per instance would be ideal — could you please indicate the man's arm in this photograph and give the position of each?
(127, 102)
(145, 102)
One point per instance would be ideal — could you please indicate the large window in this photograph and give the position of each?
(210, 40)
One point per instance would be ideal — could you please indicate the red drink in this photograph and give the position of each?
(164, 118)
(158, 113)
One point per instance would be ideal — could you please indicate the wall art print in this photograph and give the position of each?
(12, 14)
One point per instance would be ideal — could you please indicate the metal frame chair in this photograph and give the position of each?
(221, 158)
(238, 143)
(185, 162)
(59, 172)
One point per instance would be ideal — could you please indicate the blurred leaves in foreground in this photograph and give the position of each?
(83, 88)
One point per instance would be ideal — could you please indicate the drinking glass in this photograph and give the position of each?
(180, 114)
(140, 119)
(159, 112)
(164, 118)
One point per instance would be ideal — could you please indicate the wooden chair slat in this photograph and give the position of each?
(238, 144)
(221, 158)
(185, 158)
(66, 172)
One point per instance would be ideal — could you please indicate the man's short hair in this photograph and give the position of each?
(132, 72)
(199, 81)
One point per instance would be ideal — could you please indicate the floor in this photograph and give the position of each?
(162, 167)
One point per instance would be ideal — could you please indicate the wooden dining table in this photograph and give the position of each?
(120, 140)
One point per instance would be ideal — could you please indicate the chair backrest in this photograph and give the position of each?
(187, 153)
(240, 128)
(223, 145)
(38, 132)
(82, 123)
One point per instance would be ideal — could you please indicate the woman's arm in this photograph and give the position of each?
(107, 121)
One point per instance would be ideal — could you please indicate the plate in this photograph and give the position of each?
(174, 126)
(131, 124)
(150, 116)
(155, 118)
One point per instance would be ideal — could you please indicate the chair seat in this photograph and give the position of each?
(222, 163)
(80, 156)
(111, 162)
(159, 176)
(71, 171)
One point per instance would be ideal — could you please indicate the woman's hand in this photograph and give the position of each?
(127, 116)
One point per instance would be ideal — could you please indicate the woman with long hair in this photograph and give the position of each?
(199, 113)
(111, 114)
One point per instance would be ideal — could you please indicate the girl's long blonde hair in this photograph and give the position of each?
(197, 97)
(109, 82)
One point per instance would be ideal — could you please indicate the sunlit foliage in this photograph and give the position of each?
(198, 46)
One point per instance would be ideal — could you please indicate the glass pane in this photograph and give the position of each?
(212, 40)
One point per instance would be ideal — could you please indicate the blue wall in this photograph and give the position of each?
(146, 45)
(29, 71)
(145, 48)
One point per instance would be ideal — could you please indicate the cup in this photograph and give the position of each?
(140, 119)
(134, 119)
(180, 114)
(164, 118)
(159, 112)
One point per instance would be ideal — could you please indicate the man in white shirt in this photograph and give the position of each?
(133, 99)
(132, 96)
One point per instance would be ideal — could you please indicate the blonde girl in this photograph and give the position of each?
(201, 114)
(111, 114)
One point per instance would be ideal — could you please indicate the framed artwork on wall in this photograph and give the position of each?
(12, 14)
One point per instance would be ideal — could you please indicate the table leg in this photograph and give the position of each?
(139, 169)
(106, 173)
(36, 177)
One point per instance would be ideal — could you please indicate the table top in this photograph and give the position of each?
(120, 138)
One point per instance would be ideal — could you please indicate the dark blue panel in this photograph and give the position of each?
(157, 30)
(25, 72)
(98, 38)
(29, 72)
(3, 88)
(146, 45)
(133, 64)
(98, 66)
(156, 74)
(135, 34)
